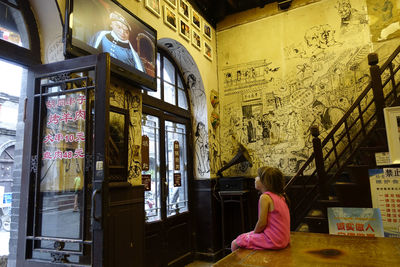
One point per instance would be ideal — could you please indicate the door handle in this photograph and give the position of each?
(95, 192)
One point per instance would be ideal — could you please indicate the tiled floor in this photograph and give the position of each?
(200, 264)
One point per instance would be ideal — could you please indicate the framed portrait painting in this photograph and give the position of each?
(184, 9)
(170, 17)
(154, 7)
(196, 20)
(208, 51)
(207, 30)
(196, 40)
(172, 3)
(184, 29)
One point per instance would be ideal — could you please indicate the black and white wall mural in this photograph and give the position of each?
(306, 75)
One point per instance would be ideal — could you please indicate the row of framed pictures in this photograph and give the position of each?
(188, 22)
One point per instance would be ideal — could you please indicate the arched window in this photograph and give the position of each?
(19, 38)
(171, 93)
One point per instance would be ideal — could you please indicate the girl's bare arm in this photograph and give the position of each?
(265, 206)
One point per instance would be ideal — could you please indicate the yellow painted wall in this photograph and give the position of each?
(278, 68)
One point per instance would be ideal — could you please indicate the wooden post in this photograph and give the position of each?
(377, 88)
(319, 163)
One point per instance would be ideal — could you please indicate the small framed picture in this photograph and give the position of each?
(184, 29)
(208, 51)
(392, 124)
(184, 9)
(196, 40)
(170, 17)
(154, 7)
(172, 3)
(196, 20)
(207, 30)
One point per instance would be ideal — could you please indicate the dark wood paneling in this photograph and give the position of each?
(125, 233)
(207, 219)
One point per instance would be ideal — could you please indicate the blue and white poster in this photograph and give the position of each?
(365, 222)
(385, 194)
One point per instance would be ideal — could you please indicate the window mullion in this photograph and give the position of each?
(162, 77)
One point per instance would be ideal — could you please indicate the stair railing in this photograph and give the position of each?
(333, 154)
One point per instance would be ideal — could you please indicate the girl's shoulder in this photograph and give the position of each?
(272, 195)
(265, 197)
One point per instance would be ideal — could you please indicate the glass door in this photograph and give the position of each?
(62, 175)
(168, 217)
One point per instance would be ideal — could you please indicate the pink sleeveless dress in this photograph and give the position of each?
(276, 234)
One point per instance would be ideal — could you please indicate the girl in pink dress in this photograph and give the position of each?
(272, 230)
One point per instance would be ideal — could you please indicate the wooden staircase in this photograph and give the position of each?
(336, 173)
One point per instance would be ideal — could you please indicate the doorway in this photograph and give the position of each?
(168, 214)
(166, 127)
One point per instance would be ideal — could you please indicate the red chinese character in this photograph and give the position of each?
(80, 137)
(389, 220)
(70, 101)
(387, 205)
(80, 114)
(66, 117)
(359, 227)
(370, 227)
(61, 102)
(69, 138)
(58, 137)
(58, 154)
(350, 226)
(370, 235)
(51, 104)
(48, 139)
(79, 153)
(68, 155)
(81, 99)
(395, 220)
(351, 234)
(47, 155)
(341, 233)
(53, 119)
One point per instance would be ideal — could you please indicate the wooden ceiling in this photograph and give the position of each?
(216, 10)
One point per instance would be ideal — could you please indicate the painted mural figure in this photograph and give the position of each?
(349, 15)
(326, 116)
(202, 149)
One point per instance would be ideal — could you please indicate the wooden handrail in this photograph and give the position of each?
(348, 133)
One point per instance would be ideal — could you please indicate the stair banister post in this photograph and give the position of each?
(319, 163)
(377, 88)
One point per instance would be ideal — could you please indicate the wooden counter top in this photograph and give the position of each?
(312, 249)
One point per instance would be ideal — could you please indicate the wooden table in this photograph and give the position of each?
(311, 249)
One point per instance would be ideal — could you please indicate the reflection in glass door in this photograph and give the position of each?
(151, 129)
(175, 144)
(169, 188)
